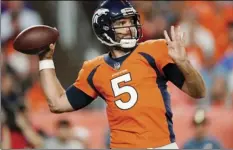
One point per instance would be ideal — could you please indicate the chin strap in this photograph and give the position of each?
(124, 43)
(128, 43)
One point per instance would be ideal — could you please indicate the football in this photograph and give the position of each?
(35, 39)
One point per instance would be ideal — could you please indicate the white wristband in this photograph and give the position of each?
(46, 64)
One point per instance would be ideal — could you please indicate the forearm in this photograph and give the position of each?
(194, 84)
(54, 92)
(51, 87)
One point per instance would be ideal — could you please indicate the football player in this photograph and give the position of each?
(131, 78)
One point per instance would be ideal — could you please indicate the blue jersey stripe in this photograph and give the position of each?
(161, 82)
(91, 83)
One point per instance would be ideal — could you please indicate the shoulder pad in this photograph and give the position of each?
(90, 64)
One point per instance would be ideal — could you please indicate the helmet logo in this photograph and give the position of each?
(98, 13)
(106, 28)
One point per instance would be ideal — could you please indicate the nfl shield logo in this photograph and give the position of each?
(117, 65)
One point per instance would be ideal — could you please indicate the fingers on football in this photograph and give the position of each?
(52, 47)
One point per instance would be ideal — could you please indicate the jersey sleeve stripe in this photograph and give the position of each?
(77, 98)
(161, 81)
(91, 82)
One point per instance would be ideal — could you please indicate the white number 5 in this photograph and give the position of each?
(125, 89)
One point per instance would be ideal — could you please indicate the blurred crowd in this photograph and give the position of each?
(208, 27)
(21, 92)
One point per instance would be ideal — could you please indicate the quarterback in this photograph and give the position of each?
(131, 78)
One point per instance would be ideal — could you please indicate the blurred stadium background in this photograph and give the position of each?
(25, 116)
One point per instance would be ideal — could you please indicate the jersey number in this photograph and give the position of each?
(125, 89)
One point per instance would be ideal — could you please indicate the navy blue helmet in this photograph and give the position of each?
(106, 14)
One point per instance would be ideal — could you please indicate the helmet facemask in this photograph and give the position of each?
(103, 25)
(127, 36)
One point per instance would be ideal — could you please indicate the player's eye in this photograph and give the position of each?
(118, 23)
(124, 22)
(121, 23)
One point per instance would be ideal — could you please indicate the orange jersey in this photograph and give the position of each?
(138, 104)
